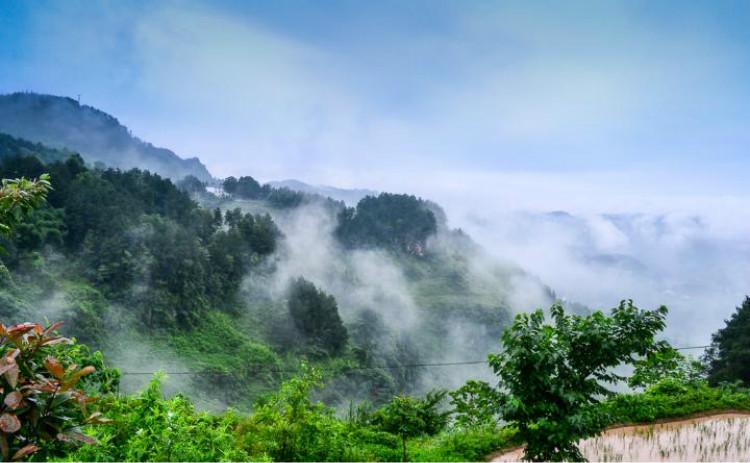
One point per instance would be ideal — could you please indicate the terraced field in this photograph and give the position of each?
(719, 437)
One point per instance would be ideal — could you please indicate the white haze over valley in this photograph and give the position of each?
(596, 248)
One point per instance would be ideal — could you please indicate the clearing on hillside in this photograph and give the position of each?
(720, 437)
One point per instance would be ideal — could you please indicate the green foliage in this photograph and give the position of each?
(672, 398)
(241, 367)
(315, 315)
(476, 404)
(42, 407)
(191, 184)
(464, 444)
(244, 187)
(552, 374)
(150, 428)
(665, 363)
(19, 197)
(410, 417)
(249, 188)
(121, 230)
(291, 427)
(728, 358)
(398, 222)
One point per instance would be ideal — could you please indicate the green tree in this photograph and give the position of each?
(409, 417)
(291, 427)
(476, 403)
(398, 222)
(662, 364)
(728, 358)
(552, 374)
(19, 197)
(316, 316)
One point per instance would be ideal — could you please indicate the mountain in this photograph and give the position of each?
(349, 196)
(11, 146)
(63, 123)
(139, 269)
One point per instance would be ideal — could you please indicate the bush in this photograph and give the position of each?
(43, 410)
(150, 428)
(290, 427)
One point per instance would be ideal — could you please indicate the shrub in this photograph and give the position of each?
(42, 407)
(149, 427)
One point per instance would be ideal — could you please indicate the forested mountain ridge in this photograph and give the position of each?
(64, 123)
(254, 282)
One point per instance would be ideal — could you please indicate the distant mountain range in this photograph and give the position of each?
(350, 197)
(63, 123)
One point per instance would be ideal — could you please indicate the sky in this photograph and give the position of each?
(590, 107)
(643, 99)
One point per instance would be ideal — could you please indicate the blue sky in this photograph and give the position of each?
(546, 104)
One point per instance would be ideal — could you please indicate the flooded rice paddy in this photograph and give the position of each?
(720, 437)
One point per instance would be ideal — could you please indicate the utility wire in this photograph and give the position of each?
(261, 367)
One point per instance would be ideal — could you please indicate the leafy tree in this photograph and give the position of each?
(191, 184)
(665, 363)
(285, 198)
(291, 427)
(551, 375)
(19, 197)
(476, 403)
(245, 187)
(316, 316)
(728, 358)
(410, 417)
(398, 222)
(230, 185)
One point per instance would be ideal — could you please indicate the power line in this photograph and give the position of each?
(265, 367)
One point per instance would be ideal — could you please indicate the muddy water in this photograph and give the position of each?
(721, 437)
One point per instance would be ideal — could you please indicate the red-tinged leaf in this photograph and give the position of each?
(53, 327)
(13, 400)
(55, 340)
(25, 451)
(97, 418)
(80, 374)
(20, 329)
(38, 328)
(80, 437)
(75, 436)
(85, 371)
(9, 423)
(7, 367)
(12, 376)
(11, 357)
(3, 330)
(53, 366)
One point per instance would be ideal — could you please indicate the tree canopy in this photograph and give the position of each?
(552, 373)
(316, 316)
(395, 221)
(728, 358)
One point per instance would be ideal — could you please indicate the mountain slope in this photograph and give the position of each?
(11, 147)
(350, 196)
(61, 122)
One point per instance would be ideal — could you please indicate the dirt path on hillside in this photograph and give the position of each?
(714, 437)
